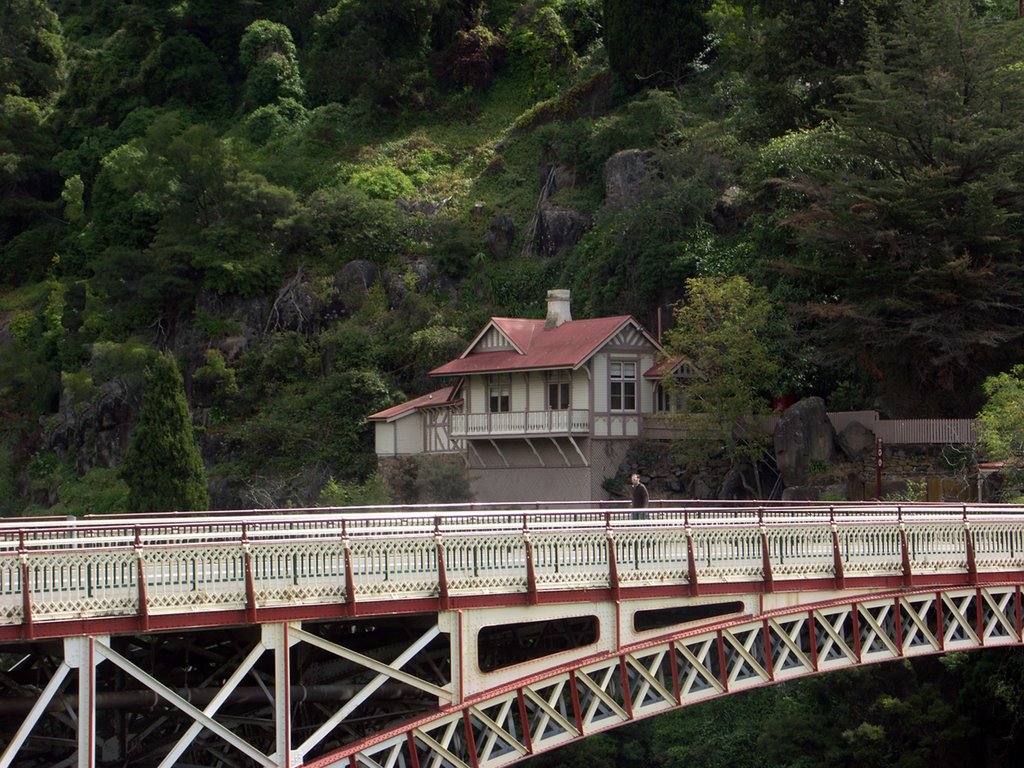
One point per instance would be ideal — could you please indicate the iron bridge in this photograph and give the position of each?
(463, 636)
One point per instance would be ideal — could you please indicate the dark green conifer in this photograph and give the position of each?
(162, 467)
(651, 43)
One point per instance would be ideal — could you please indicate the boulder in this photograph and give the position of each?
(97, 434)
(804, 435)
(559, 228)
(501, 233)
(356, 274)
(856, 441)
(625, 174)
(351, 285)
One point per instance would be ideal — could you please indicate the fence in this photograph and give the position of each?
(901, 431)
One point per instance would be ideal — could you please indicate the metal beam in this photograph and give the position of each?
(196, 714)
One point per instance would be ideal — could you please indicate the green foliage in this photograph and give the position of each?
(518, 287)
(626, 261)
(440, 480)
(912, 244)
(1000, 424)
(472, 58)
(283, 358)
(179, 206)
(273, 121)
(818, 467)
(539, 46)
(311, 421)
(100, 491)
(645, 122)
(720, 331)
(787, 57)
(215, 378)
(79, 389)
(653, 42)
(268, 55)
(373, 50)
(183, 71)
(383, 182)
(162, 466)
(121, 361)
(916, 490)
(29, 190)
(435, 345)
(340, 223)
(34, 63)
(345, 343)
(354, 494)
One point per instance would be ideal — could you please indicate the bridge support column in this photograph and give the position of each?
(80, 654)
(275, 637)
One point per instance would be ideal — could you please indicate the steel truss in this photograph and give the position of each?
(273, 697)
(501, 727)
(378, 693)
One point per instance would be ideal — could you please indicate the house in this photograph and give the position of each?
(539, 410)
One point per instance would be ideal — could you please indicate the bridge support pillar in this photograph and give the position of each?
(80, 654)
(275, 637)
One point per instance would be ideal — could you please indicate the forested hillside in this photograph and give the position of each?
(308, 205)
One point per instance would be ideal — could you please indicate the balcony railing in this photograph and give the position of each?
(560, 422)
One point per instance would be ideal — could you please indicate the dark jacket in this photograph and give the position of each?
(640, 495)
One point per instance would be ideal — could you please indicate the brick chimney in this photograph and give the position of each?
(558, 308)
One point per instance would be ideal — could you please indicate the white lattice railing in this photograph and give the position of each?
(52, 570)
(564, 421)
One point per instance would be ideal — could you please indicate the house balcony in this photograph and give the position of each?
(520, 424)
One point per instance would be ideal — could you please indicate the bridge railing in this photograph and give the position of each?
(146, 566)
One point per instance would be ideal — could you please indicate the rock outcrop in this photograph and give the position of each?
(559, 228)
(625, 174)
(856, 441)
(804, 435)
(501, 233)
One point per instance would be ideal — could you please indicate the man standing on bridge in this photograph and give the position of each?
(640, 497)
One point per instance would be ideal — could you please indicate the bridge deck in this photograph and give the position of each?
(69, 577)
(387, 638)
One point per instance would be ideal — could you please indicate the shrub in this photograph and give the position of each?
(383, 182)
(442, 481)
(472, 58)
(539, 47)
(343, 222)
(371, 492)
(215, 378)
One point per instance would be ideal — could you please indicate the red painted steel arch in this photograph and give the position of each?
(571, 702)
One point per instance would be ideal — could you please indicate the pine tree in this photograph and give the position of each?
(652, 42)
(162, 467)
(912, 234)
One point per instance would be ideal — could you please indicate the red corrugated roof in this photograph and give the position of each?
(536, 347)
(664, 367)
(432, 399)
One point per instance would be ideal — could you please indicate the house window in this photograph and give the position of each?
(558, 390)
(666, 401)
(622, 377)
(498, 394)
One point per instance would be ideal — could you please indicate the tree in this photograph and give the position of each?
(33, 63)
(789, 55)
(653, 42)
(1001, 423)
(268, 54)
(720, 332)
(162, 467)
(914, 239)
(377, 50)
